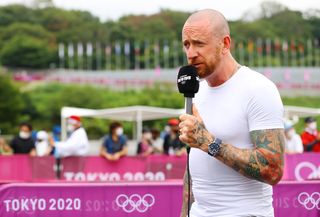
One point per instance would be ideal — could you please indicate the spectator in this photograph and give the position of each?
(293, 140)
(23, 143)
(4, 147)
(145, 147)
(115, 144)
(42, 144)
(56, 133)
(172, 144)
(157, 141)
(311, 136)
(77, 143)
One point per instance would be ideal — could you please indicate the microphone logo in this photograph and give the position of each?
(183, 79)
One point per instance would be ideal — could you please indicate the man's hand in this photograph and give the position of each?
(193, 132)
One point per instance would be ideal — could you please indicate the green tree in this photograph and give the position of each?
(26, 51)
(16, 13)
(11, 105)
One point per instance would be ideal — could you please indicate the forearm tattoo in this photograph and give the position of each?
(263, 163)
(202, 136)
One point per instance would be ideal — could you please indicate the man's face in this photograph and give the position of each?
(202, 48)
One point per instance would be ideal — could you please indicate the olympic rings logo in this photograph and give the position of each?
(135, 202)
(309, 201)
(314, 172)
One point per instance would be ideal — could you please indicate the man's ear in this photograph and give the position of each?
(226, 44)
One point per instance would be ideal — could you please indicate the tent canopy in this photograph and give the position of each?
(139, 114)
(136, 114)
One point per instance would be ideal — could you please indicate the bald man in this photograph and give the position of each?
(236, 130)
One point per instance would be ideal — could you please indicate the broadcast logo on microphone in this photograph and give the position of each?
(188, 80)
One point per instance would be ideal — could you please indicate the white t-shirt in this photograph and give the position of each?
(42, 148)
(246, 102)
(294, 145)
(76, 145)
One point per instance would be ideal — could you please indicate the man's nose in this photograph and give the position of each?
(191, 52)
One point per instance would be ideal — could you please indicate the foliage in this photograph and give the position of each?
(47, 101)
(312, 102)
(54, 25)
(28, 52)
(11, 105)
(42, 104)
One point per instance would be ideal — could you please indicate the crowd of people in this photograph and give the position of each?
(114, 145)
(308, 141)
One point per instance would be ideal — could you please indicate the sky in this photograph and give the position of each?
(109, 9)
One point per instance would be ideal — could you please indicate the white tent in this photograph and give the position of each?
(295, 112)
(136, 114)
(139, 114)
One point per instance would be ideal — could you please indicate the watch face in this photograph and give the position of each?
(214, 147)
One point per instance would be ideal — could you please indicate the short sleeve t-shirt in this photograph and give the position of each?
(113, 146)
(246, 102)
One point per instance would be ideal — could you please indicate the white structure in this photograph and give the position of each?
(139, 114)
(136, 114)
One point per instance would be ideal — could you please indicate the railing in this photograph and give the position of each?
(148, 54)
(22, 168)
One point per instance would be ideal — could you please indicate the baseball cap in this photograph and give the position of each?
(309, 120)
(173, 122)
(73, 119)
(43, 135)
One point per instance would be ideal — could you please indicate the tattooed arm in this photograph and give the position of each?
(264, 162)
(184, 208)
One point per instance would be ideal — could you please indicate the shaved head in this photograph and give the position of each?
(215, 20)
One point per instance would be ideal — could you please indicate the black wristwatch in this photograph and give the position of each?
(214, 147)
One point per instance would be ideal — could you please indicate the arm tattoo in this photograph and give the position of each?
(202, 135)
(264, 162)
(184, 208)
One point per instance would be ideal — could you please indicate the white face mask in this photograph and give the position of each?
(148, 136)
(312, 126)
(70, 128)
(167, 128)
(119, 131)
(291, 133)
(24, 135)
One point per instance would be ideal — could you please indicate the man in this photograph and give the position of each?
(236, 130)
(115, 144)
(311, 137)
(77, 143)
(23, 143)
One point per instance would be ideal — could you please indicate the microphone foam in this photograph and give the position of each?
(188, 80)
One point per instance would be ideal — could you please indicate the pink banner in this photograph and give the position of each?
(301, 167)
(17, 168)
(297, 199)
(87, 200)
(152, 168)
(24, 168)
(133, 199)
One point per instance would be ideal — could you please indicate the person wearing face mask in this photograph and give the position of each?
(172, 144)
(145, 147)
(77, 143)
(311, 136)
(23, 143)
(115, 143)
(42, 144)
(293, 140)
